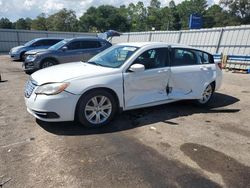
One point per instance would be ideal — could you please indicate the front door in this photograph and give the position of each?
(150, 85)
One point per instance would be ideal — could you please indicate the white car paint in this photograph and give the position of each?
(133, 89)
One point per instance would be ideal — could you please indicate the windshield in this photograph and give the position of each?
(58, 45)
(30, 42)
(114, 56)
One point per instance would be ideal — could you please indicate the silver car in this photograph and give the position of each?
(18, 52)
(67, 50)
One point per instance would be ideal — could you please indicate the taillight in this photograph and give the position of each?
(219, 65)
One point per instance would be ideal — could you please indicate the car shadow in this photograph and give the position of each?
(141, 117)
(2, 81)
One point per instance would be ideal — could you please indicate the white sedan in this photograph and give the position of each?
(123, 77)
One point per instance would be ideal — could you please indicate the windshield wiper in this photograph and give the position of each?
(94, 63)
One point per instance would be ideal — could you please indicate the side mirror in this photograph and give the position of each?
(64, 48)
(137, 68)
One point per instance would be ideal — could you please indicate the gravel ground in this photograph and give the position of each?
(173, 145)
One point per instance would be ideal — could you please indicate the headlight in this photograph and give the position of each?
(31, 57)
(51, 88)
(14, 50)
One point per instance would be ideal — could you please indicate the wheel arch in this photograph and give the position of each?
(111, 91)
(22, 53)
(50, 58)
(213, 84)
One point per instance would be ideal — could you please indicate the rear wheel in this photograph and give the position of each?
(47, 63)
(96, 108)
(207, 95)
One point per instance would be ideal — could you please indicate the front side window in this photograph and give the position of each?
(182, 57)
(153, 58)
(114, 56)
(51, 42)
(30, 42)
(59, 45)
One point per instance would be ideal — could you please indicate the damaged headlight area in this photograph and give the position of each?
(51, 88)
(31, 57)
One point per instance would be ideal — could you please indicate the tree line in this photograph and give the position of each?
(138, 17)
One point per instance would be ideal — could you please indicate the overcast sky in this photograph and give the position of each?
(15, 9)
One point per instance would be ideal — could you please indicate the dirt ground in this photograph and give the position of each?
(173, 145)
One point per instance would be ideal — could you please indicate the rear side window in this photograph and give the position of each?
(46, 42)
(182, 57)
(38, 43)
(205, 58)
(75, 45)
(105, 43)
(90, 44)
(51, 42)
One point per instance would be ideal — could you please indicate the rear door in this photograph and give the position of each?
(72, 54)
(90, 48)
(149, 86)
(190, 73)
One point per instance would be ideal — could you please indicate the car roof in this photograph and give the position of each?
(87, 37)
(143, 44)
(173, 45)
(50, 38)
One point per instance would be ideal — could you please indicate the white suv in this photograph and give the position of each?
(123, 77)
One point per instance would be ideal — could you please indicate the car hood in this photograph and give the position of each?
(17, 48)
(36, 51)
(70, 71)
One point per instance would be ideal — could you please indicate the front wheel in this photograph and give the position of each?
(96, 108)
(22, 56)
(47, 63)
(207, 95)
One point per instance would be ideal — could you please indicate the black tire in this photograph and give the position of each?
(83, 114)
(22, 56)
(29, 72)
(206, 97)
(47, 63)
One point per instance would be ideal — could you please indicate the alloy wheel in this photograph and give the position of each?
(47, 64)
(98, 109)
(206, 94)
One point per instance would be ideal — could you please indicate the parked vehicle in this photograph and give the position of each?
(17, 53)
(123, 77)
(68, 50)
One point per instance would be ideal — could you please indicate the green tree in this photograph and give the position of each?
(23, 23)
(239, 8)
(176, 21)
(215, 16)
(40, 23)
(137, 16)
(154, 19)
(155, 4)
(103, 18)
(64, 20)
(5, 23)
(87, 20)
(186, 8)
(28, 23)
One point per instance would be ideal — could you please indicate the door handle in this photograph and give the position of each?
(204, 68)
(163, 71)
